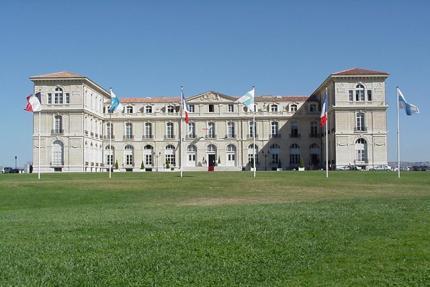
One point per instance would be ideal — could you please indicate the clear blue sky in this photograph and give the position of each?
(150, 48)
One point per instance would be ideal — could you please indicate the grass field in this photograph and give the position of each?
(219, 229)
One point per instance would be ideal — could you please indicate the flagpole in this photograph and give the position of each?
(326, 136)
(181, 109)
(110, 146)
(398, 132)
(38, 149)
(255, 131)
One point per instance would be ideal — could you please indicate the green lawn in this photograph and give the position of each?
(219, 229)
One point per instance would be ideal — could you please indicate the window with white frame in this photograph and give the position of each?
(361, 150)
(170, 109)
(128, 155)
(252, 153)
(293, 108)
(192, 154)
(231, 133)
(191, 108)
(359, 122)
(231, 155)
(58, 96)
(359, 93)
(211, 130)
(57, 153)
(109, 130)
(351, 95)
(58, 124)
(109, 155)
(230, 108)
(148, 109)
(148, 151)
(274, 128)
(294, 154)
(252, 129)
(129, 109)
(274, 151)
(49, 98)
(274, 108)
(147, 133)
(169, 130)
(128, 130)
(169, 154)
(191, 133)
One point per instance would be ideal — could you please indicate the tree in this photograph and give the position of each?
(142, 165)
(116, 164)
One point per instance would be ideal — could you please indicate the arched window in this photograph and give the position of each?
(110, 155)
(231, 155)
(361, 150)
(274, 151)
(294, 154)
(148, 109)
(57, 153)
(314, 129)
(359, 93)
(359, 122)
(274, 128)
(191, 130)
(211, 130)
(147, 133)
(128, 130)
(128, 155)
(169, 154)
(274, 108)
(58, 96)
(58, 124)
(129, 109)
(211, 148)
(231, 133)
(148, 151)
(191, 155)
(252, 153)
(293, 108)
(169, 131)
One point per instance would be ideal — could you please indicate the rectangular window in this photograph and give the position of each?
(211, 108)
(67, 98)
(312, 108)
(369, 95)
(351, 95)
(148, 159)
(49, 98)
(191, 108)
(230, 108)
(109, 160)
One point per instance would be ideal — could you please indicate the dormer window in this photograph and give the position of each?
(129, 109)
(293, 108)
(274, 108)
(148, 109)
(170, 109)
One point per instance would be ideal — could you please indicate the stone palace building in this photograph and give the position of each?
(75, 128)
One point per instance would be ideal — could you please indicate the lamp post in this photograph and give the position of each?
(16, 162)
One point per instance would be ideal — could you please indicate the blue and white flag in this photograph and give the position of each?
(403, 104)
(115, 104)
(248, 100)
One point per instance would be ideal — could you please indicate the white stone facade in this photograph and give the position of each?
(75, 128)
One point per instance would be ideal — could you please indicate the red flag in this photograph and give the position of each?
(33, 103)
(323, 117)
(184, 107)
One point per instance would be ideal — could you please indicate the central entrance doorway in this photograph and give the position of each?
(211, 154)
(211, 160)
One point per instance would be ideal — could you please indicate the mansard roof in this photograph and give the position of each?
(58, 75)
(359, 72)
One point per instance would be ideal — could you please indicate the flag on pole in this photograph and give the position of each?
(248, 100)
(115, 104)
(185, 108)
(403, 104)
(33, 103)
(323, 117)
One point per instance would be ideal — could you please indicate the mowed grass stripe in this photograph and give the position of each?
(221, 229)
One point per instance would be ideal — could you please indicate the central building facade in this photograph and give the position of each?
(77, 133)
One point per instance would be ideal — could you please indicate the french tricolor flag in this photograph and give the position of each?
(323, 117)
(185, 108)
(33, 103)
